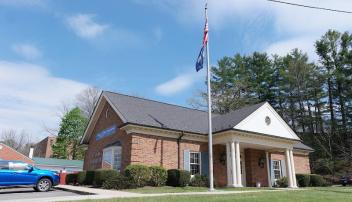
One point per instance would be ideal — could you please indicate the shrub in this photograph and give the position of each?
(81, 177)
(138, 174)
(303, 180)
(178, 178)
(101, 175)
(282, 182)
(199, 181)
(317, 181)
(89, 177)
(172, 177)
(185, 177)
(119, 182)
(158, 176)
(71, 178)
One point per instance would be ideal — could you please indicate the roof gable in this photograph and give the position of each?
(275, 126)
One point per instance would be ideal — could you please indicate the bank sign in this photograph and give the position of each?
(106, 132)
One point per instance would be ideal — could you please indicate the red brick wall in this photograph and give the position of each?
(301, 162)
(44, 147)
(220, 169)
(94, 153)
(7, 153)
(161, 151)
(255, 173)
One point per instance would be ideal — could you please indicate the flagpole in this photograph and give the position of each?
(210, 134)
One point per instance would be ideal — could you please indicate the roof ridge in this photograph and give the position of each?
(147, 99)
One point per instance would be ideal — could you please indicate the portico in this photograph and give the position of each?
(257, 148)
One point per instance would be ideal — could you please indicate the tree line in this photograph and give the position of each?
(314, 98)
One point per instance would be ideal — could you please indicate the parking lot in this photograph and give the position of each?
(28, 193)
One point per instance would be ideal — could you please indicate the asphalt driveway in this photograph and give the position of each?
(29, 193)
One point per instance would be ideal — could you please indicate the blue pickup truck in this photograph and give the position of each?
(17, 173)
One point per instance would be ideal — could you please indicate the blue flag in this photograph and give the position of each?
(200, 59)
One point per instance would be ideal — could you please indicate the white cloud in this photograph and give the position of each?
(306, 44)
(85, 26)
(178, 84)
(295, 26)
(27, 51)
(30, 97)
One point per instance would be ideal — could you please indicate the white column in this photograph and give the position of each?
(233, 165)
(288, 168)
(228, 164)
(268, 168)
(238, 165)
(293, 170)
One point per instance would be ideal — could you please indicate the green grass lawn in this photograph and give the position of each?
(166, 189)
(325, 194)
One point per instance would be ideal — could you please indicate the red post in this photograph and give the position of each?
(63, 178)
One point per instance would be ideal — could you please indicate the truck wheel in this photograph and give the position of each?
(43, 185)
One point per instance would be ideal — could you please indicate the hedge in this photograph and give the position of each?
(178, 178)
(303, 180)
(119, 182)
(282, 182)
(138, 174)
(101, 175)
(89, 177)
(158, 176)
(199, 181)
(317, 181)
(71, 178)
(81, 177)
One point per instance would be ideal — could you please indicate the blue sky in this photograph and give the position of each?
(52, 50)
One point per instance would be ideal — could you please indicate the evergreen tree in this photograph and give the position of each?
(71, 131)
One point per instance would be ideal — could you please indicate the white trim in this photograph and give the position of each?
(276, 115)
(200, 161)
(130, 129)
(91, 118)
(248, 137)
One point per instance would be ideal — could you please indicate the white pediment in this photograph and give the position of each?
(267, 121)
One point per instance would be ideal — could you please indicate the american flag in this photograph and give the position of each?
(200, 59)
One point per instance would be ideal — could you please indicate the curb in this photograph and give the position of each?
(75, 191)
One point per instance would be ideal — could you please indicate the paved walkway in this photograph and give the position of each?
(93, 193)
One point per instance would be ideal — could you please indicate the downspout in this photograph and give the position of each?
(179, 150)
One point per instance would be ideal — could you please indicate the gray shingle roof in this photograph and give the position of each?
(157, 114)
(152, 113)
(162, 115)
(233, 118)
(302, 146)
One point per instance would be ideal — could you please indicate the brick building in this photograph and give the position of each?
(9, 154)
(251, 145)
(44, 147)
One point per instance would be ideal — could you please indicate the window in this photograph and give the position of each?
(18, 166)
(277, 169)
(4, 165)
(195, 163)
(112, 157)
